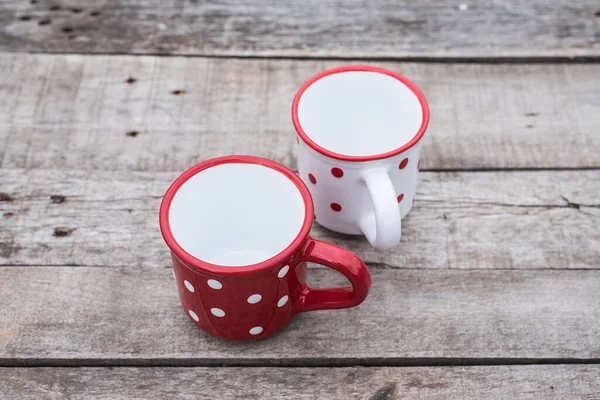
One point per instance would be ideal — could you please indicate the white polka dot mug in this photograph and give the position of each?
(359, 130)
(238, 229)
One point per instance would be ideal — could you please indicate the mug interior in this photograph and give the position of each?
(236, 214)
(360, 113)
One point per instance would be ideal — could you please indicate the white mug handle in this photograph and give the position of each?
(383, 226)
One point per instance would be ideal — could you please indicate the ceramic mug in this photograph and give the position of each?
(360, 130)
(238, 229)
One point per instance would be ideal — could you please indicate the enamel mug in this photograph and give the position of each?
(238, 229)
(359, 130)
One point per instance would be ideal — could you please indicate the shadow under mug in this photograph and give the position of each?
(238, 229)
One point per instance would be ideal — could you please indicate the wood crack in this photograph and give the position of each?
(290, 362)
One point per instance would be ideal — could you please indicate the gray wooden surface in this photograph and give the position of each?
(561, 382)
(538, 220)
(494, 291)
(74, 112)
(332, 28)
(132, 316)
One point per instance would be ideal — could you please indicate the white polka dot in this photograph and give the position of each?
(255, 298)
(283, 271)
(256, 330)
(282, 301)
(194, 315)
(217, 312)
(214, 284)
(189, 286)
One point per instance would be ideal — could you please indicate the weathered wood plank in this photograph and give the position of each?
(511, 382)
(518, 220)
(75, 112)
(360, 28)
(96, 316)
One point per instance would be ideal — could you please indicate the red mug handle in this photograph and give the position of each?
(341, 260)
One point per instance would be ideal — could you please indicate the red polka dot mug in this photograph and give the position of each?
(238, 229)
(360, 130)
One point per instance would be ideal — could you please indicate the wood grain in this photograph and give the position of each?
(516, 382)
(475, 220)
(79, 112)
(127, 316)
(334, 28)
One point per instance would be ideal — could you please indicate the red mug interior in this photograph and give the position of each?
(237, 214)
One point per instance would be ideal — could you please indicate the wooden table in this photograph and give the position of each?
(494, 291)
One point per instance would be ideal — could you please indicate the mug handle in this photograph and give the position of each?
(383, 227)
(341, 260)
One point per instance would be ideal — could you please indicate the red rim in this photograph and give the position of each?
(352, 68)
(221, 269)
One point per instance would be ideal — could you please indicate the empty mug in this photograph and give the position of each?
(360, 130)
(238, 229)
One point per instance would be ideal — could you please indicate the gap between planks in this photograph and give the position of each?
(291, 362)
(525, 59)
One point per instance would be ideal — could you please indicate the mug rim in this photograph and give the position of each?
(197, 263)
(361, 68)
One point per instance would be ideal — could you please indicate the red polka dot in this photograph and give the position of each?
(338, 173)
(312, 179)
(400, 197)
(403, 164)
(419, 165)
(336, 207)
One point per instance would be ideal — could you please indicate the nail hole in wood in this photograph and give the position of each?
(8, 215)
(131, 80)
(33, 1)
(62, 231)
(55, 7)
(76, 10)
(531, 114)
(178, 92)
(58, 198)
(25, 17)
(6, 197)
(529, 126)
(132, 133)
(67, 29)
(45, 21)
(597, 13)
(95, 13)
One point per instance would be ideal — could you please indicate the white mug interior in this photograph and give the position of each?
(236, 214)
(360, 113)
